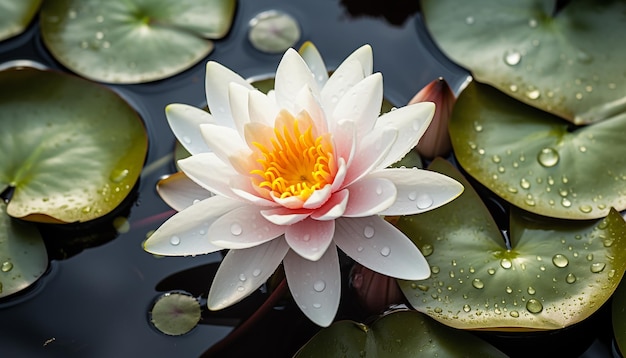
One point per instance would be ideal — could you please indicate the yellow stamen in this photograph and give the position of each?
(298, 162)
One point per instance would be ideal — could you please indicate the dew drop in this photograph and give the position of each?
(187, 140)
(531, 290)
(368, 232)
(467, 308)
(496, 159)
(514, 314)
(560, 260)
(412, 196)
(175, 240)
(385, 251)
(7, 266)
(513, 88)
(319, 285)
(424, 201)
(491, 271)
(512, 57)
(359, 249)
(570, 278)
(379, 190)
(317, 306)
(506, 263)
(548, 157)
(118, 175)
(597, 267)
(242, 277)
(236, 229)
(256, 272)
(585, 208)
(427, 250)
(478, 127)
(470, 20)
(533, 94)
(477, 283)
(435, 269)
(532, 23)
(509, 289)
(534, 306)
(524, 183)
(566, 202)
(241, 288)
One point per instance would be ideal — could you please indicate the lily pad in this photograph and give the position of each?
(563, 61)
(399, 334)
(538, 161)
(619, 317)
(15, 16)
(553, 274)
(72, 150)
(135, 41)
(175, 313)
(23, 257)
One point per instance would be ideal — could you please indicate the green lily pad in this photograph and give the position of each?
(619, 316)
(23, 257)
(555, 273)
(15, 16)
(135, 41)
(72, 150)
(565, 62)
(535, 160)
(175, 313)
(399, 334)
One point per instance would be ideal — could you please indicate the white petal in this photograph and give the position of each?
(180, 192)
(411, 122)
(305, 101)
(314, 60)
(217, 82)
(418, 190)
(290, 202)
(242, 187)
(315, 285)
(344, 141)
(370, 151)
(210, 172)
(369, 196)
(361, 103)
(238, 103)
(310, 238)
(262, 108)
(333, 208)
(364, 56)
(285, 216)
(185, 122)
(292, 73)
(185, 232)
(340, 176)
(243, 271)
(318, 198)
(242, 228)
(347, 75)
(380, 246)
(224, 141)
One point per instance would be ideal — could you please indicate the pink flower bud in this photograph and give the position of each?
(375, 292)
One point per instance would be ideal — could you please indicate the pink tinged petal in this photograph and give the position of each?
(369, 196)
(185, 123)
(224, 141)
(347, 75)
(418, 190)
(318, 198)
(344, 140)
(243, 271)
(243, 188)
(361, 103)
(259, 133)
(381, 247)
(185, 233)
(411, 122)
(315, 285)
(333, 208)
(285, 216)
(210, 172)
(292, 73)
(217, 83)
(310, 238)
(314, 60)
(180, 192)
(238, 103)
(340, 176)
(290, 202)
(370, 151)
(262, 108)
(242, 228)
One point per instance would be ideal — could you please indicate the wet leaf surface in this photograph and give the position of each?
(16, 15)
(133, 41)
(538, 161)
(554, 274)
(564, 62)
(72, 150)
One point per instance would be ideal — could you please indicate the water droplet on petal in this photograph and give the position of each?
(412, 196)
(256, 272)
(368, 232)
(385, 251)
(379, 190)
(548, 157)
(175, 240)
(187, 140)
(242, 277)
(319, 285)
(359, 249)
(241, 288)
(317, 305)
(236, 229)
(512, 57)
(534, 306)
(424, 201)
(470, 20)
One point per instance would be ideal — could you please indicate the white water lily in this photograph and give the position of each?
(295, 174)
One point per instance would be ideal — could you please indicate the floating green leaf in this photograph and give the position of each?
(133, 41)
(175, 313)
(400, 334)
(23, 257)
(16, 15)
(537, 161)
(72, 150)
(555, 273)
(564, 61)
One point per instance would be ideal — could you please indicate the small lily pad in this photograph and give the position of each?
(16, 15)
(23, 257)
(399, 334)
(175, 313)
(538, 161)
(134, 41)
(553, 274)
(562, 60)
(72, 150)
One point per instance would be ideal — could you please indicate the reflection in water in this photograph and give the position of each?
(395, 12)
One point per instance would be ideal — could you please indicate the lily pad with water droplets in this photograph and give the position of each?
(133, 41)
(555, 273)
(72, 150)
(23, 257)
(564, 60)
(398, 335)
(538, 161)
(175, 313)
(15, 16)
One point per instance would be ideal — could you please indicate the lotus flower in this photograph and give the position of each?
(295, 174)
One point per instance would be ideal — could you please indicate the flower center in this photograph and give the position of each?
(298, 161)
